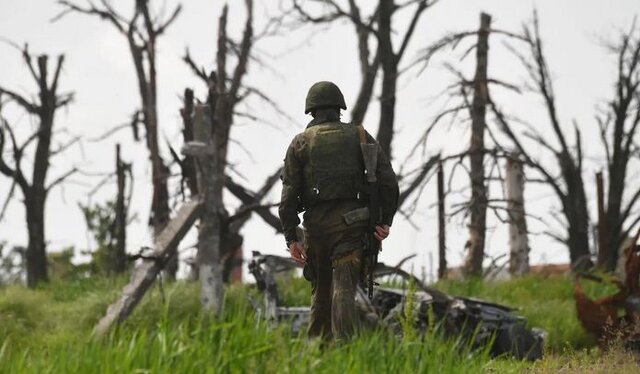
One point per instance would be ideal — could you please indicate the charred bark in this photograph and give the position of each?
(478, 203)
(209, 230)
(389, 64)
(518, 239)
(603, 240)
(442, 229)
(120, 224)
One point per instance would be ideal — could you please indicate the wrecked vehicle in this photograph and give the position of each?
(482, 324)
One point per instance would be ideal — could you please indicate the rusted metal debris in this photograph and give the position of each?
(614, 318)
(470, 322)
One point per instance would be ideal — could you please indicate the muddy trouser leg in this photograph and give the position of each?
(346, 274)
(319, 258)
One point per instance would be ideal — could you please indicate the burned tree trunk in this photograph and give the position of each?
(36, 249)
(442, 229)
(603, 240)
(389, 64)
(120, 224)
(188, 164)
(518, 240)
(478, 204)
(209, 231)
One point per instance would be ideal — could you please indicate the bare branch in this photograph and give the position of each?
(20, 100)
(199, 72)
(60, 179)
(245, 50)
(422, 5)
(65, 146)
(162, 27)
(106, 14)
(8, 199)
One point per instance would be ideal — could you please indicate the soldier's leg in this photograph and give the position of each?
(346, 274)
(320, 261)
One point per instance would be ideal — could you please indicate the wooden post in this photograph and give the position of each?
(518, 240)
(210, 184)
(478, 203)
(120, 258)
(603, 237)
(442, 254)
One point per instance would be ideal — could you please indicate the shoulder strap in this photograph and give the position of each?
(361, 134)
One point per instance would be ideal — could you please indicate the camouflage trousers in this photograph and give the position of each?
(333, 267)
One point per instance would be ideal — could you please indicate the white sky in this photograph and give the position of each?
(99, 69)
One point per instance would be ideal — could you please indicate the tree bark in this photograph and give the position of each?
(478, 203)
(442, 229)
(209, 231)
(518, 239)
(36, 249)
(603, 240)
(389, 64)
(575, 207)
(120, 255)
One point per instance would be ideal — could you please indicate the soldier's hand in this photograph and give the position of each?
(382, 231)
(297, 253)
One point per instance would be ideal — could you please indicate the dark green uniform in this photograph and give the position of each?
(324, 176)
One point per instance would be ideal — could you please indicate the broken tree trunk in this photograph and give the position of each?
(442, 241)
(603, 238)
(518, 240)
(145, 274)
(210, 184)
(120, 255)
(478, 204)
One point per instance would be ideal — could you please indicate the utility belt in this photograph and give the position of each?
(356, 215)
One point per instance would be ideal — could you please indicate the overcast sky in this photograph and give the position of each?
(99, 70)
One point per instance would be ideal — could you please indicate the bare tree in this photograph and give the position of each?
(478, 87)
(223, 101)
(141, 31)
(619, 128)
(225, 92)
(569, 187)
(35, 191)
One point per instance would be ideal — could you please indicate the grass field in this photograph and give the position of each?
(49, 330)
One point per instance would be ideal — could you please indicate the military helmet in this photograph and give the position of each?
(324, 94)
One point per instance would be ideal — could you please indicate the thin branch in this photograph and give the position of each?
(60, 179)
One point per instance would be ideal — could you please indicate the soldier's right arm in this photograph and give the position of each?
(292, 179)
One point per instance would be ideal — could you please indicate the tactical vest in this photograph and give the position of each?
(334, 167)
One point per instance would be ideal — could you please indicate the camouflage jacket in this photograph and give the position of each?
(326, 216)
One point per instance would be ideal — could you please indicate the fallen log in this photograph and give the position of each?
(145, 273)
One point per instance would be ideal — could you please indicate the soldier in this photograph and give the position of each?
(324, 176)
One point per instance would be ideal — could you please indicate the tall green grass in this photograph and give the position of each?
(50, 330)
